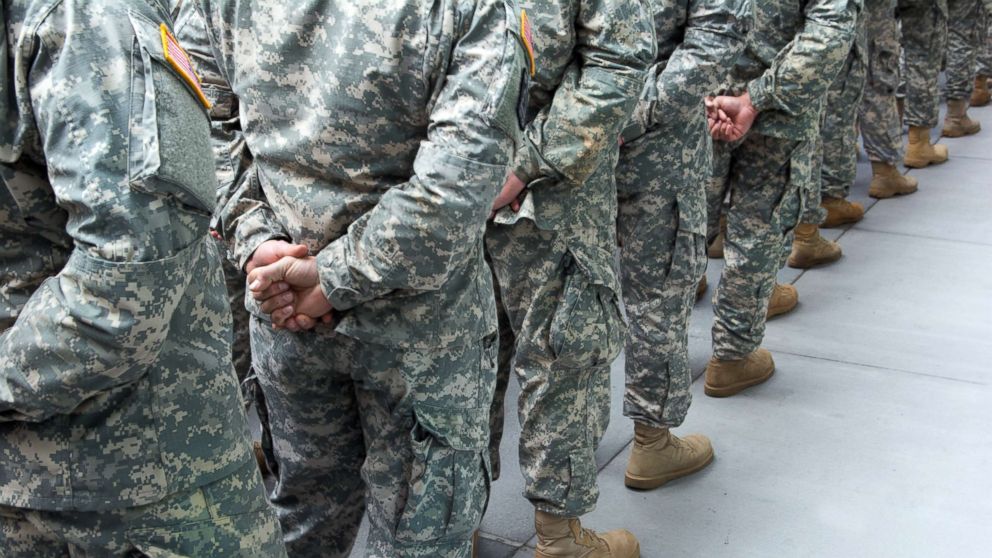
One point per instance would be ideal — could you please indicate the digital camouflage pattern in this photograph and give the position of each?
(878, 116)
(963, 40)
(384, 159)
(231, 159)
(984, 56)
(229, 517)
(116, 388)
(839, 131)
(924, 35)
(554, 259)
(792, 56)
(661, 225)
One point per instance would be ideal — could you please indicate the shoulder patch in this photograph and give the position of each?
(177, 58)
(527, 34)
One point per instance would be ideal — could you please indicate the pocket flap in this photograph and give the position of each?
(459, 429)
(597, 265)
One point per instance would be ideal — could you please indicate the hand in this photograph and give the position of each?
(271, 251)
(289, 291)
(509, 195)
(740, 113)
(714, 114)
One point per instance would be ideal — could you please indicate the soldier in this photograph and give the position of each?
(379, 134)
(551, 250)
(120, 428)
(878, 116)
(981, 96)
(924, 29)
(661, 226)
(793, 55)
(962, 46)
(835, 164)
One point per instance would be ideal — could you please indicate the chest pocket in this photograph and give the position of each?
(169, 152)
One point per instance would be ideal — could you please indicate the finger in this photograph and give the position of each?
(292, 250)
(277, 288)
(515, 206)
(279, 301)
(327, 318)
(262, 278)
(280, 316)
(293, 324)
(305, 322)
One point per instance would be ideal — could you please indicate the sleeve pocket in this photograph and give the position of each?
(169, 151)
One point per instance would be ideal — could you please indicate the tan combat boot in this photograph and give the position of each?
(659, 456)
(561, 537)
(841, 212)
(715, 249)
(981, 96)
(701, 288)
(783, 300)
(887, 181)
(727, 377)
(809, 249)
(921, 152)
(957, 123)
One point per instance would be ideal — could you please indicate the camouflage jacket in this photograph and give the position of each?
(698, 42)
(116, 387)
(591, 63)
(792, 55)
(379, 134)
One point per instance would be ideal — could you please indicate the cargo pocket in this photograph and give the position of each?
(169, 151)
(689, 255)
(450, 477)
(587, 328)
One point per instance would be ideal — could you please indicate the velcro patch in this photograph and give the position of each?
(528, 37)
(177, 58)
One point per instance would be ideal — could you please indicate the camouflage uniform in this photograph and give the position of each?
(120, 428)
(661, 221)
(230, 160)
(983, 61)
(924, 31)
(379, 133)
(793, 54)
(963, 22)
(553, 260)
(878, 117)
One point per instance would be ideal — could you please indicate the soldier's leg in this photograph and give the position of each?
(924, 30)
(717, 186)
(497, 410)
(228, 517)
(426, 418)
(660, 224)
(562, 305)
(317, 442)
(839, 132)
(24, 534)
(962, 48)
(924, 25)
(241, 342)
(764, 207)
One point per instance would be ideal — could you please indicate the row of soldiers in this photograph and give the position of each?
(413, 201)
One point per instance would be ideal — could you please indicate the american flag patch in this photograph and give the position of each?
(528, 36)
(177, 58)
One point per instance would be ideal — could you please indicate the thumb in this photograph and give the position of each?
(262, 278)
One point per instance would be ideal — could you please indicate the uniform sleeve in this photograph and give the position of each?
(802, 73)
(243, 217)
(568, 138)
(135, 213)
(714, 37)
(422, 230)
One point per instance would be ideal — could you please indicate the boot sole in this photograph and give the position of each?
(841, 223)
(727, 391)
(921, 163)
(637, 552)
(886, 196)
(807, 264)
(780, 311)
(649, 483)
(958, 134)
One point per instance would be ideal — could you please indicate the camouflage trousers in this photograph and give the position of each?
(924, 34)
(229, 517)
(234, 278)
(400, 434)
(765, 176)
(878, 115)
(983, 60)
(561, 330)
(839, 151)
(963, 24)
(661, 229)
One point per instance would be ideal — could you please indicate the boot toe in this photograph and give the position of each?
(622, 544)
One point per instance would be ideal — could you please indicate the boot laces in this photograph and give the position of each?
(586, 537)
